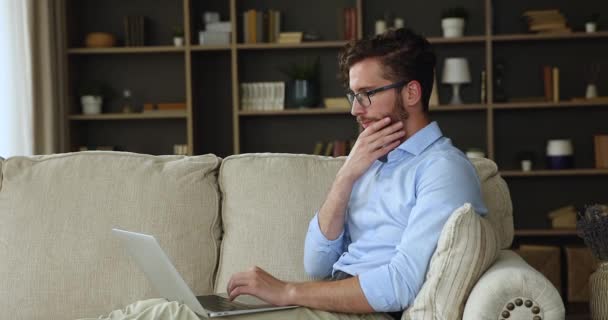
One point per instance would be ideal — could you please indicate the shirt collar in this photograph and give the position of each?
(422, 139)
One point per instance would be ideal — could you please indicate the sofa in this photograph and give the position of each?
(213, 217)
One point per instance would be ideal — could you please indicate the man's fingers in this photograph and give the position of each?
(386, 149)
(237, 292)
(397, 126)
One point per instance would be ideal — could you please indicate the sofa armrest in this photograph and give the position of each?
(511, 285)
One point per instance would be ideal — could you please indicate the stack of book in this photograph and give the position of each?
(551, 83)
(263, 96)
(290, 37)
(546, 21)
(336, 148)
(216, 32)
(261, 26)
(135, 31)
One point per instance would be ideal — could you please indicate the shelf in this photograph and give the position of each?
(118, 50)
(549, 36)
(465, 39)
(312, 44)
(460, 107)
(552, 173)
(129, 116)
(546, 105)
(210, 47)
(294, 112)
(545, 232)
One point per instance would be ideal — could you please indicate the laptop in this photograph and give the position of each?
(170, 285)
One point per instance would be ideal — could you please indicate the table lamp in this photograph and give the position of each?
(456, 72)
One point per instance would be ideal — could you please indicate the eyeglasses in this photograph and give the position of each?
(364, 97)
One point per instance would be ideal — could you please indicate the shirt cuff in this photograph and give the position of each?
(377, 286)
(318, 238)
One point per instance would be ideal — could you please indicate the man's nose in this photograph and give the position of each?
(357, 109)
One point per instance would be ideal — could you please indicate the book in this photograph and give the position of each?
(290, 37)
(318, 148)
(329, 149)
(336, 103)
(555, 74)
(174, 106)
(600, 143)
(548, 82)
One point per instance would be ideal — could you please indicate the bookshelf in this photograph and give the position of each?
(207, 78)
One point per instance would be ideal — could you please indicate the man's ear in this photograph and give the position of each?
(412, 93)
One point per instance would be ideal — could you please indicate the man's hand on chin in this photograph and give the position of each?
(261, 284)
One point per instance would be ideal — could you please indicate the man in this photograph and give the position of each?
(380, 224)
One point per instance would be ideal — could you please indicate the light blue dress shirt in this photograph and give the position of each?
(394, 217)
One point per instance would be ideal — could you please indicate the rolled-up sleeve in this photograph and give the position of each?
(442, 186)
(320, 254)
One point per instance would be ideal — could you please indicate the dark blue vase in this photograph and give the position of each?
(303, 94)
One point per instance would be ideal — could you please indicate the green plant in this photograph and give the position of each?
(455, 12)
(178, 32)
(306, 71)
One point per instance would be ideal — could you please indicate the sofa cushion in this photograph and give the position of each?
(496, 195)
(467, 247)
(59, 258)
(268, 201)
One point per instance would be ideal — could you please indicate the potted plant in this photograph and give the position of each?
(178, 36)
(91, 97)
(591, 24)
(303, 85)
(592, 226)
(453, 21)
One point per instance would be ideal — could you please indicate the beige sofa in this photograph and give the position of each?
(58, 259)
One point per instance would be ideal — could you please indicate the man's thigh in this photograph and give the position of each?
(305, 313)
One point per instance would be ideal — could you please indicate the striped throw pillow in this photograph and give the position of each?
(467, 247)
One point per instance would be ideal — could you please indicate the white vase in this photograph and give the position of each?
(591, 91)
(91, 104)
(452, 27)
(598, 287)
(178, 41)
(590, 27)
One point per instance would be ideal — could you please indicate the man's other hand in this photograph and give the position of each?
(261, 284)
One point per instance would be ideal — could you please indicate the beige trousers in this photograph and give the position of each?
(161, 309)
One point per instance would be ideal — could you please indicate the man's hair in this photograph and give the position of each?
(403, 54)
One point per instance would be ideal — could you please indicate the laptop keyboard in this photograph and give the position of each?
(217, 303)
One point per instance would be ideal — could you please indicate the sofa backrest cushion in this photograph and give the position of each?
(58, 257)
(267, 203)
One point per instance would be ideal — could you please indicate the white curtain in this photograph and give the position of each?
(16, 96)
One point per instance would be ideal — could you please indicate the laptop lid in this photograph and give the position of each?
(158, 268)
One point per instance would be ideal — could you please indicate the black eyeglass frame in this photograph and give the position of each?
(351, 96)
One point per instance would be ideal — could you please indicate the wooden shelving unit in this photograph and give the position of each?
(549, 105)
(129, 116)
(546, 233)
(554, 173)
(303, 45)
(549, 36)
(125, 50)
(295, 112)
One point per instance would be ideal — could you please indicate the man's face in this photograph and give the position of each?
(366, 75)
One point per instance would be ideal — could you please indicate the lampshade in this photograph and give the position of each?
(456, 71)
